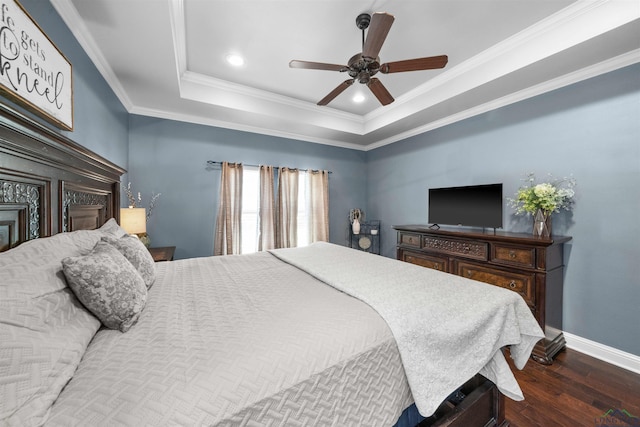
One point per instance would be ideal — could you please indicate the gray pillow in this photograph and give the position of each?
(111, 227)
(137, 254)
(108, 285)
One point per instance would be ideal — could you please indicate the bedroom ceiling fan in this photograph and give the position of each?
(363, 66)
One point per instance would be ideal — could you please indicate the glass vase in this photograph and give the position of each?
(542, 224)
(145, 239)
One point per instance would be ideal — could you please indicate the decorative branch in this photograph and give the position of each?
(133, 203)
(356, 214)
(132, 200)
(152, 204)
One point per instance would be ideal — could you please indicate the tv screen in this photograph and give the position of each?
(474, 206)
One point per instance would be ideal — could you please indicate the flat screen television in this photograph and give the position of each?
(474, 206)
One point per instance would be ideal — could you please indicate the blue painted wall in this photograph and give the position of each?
(591, 130)
(169, 157)
(100, 120)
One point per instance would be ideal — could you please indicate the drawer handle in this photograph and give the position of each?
(436, 266)
(513, 284)
(469, 273)
(512, 254)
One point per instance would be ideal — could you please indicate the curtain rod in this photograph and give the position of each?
(213, 162)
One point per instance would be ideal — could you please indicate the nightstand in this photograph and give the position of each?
(162, 254)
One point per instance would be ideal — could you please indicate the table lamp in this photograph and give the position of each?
(134, 221)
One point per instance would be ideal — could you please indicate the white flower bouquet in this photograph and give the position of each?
(549, 197)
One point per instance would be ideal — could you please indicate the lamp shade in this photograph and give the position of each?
(133, 220)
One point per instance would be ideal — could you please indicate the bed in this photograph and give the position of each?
(314, 336)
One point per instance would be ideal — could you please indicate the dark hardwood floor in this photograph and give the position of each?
(576, 390)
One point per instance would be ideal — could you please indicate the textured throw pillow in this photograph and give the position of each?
(137, 254)
(111, 227)
(108, 285)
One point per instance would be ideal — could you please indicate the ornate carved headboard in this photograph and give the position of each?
(49, 184)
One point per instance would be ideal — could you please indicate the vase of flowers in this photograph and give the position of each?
(356, 216)
(543, 199)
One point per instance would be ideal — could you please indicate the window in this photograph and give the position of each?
(250, 199)
(303, 209)
(250, 211)
(238, 225)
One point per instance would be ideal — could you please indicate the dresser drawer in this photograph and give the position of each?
(409, 239)
(424, 260)
(523, 283)
(531, 266)
(513, 255)
(466, 248)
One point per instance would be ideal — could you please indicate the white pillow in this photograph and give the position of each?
(44, 329)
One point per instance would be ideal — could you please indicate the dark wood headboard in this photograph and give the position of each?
(50, 184)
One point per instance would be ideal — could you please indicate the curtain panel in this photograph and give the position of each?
(228, 237)
(267, 210)
(318, 206)
(287, 210)
(278, 222)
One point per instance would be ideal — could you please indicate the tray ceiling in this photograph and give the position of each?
(166, 59)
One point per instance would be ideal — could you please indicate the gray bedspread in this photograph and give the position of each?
(240, 340)
(448, 328)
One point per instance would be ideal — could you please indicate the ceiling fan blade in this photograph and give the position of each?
(378, 30)
(317, 66)
(381, 92)
(337, 91)
(429, 63)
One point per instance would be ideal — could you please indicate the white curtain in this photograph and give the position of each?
(318, 206)
(228, 238)
(287, 210)
(266, 212)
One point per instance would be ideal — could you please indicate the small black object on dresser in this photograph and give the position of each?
(531, 266)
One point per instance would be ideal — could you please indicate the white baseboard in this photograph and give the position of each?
(605, 353)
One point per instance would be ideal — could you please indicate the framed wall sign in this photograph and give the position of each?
(33, 72)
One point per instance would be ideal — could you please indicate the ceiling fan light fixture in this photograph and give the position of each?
(364, 77)
(235, 59)
(358, 98)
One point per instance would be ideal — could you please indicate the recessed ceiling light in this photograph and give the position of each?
(235, 59)
(358, 97)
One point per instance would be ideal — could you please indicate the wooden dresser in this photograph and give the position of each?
(531, 266)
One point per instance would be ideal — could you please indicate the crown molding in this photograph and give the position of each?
(203, 88)
(604, 67)
(208, 121)
(574, 24)
(71, 18)
(569, 27)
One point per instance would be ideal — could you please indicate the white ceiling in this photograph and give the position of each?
(166, 58)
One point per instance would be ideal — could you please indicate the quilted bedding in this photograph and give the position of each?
(240, 340)
(447, 328)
